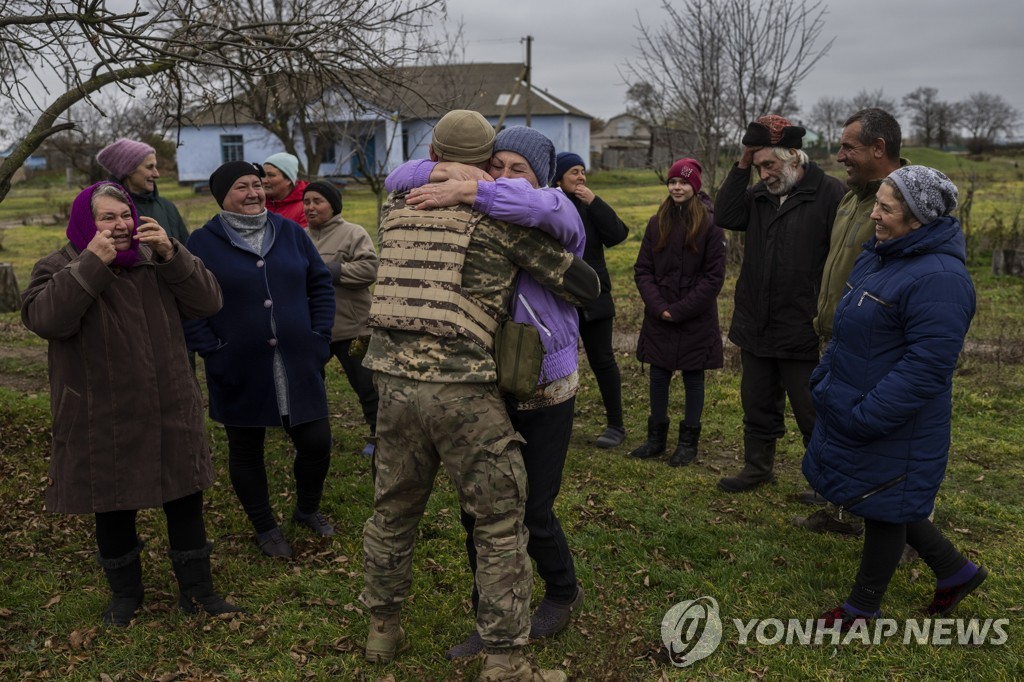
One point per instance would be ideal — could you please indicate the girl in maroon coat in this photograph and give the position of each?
(679, 272)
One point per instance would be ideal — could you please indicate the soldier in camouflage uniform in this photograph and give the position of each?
(445, 281)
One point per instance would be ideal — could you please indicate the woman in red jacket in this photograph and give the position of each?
(679, 272)
(283, 188)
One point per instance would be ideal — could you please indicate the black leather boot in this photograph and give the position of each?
(124, 575)
(759, 459)
(686, 450)
(657, 435)
(192, 569)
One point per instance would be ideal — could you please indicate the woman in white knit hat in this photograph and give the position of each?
(283, 188)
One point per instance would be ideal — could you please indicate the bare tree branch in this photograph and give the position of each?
(714, 65)
(193, 52)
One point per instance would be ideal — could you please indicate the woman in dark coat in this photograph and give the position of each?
(604, 230)
(128, 429)
(883, 390)
(132, 165)
(265, 351)
(679, 272)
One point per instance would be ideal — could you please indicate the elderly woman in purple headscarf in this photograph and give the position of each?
(128, 428)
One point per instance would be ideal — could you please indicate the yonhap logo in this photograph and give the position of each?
(691, 630)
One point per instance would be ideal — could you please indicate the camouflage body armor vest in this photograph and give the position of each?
(419, 281)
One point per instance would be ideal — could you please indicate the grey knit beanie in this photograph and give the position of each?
(928, 192)
(538, 150)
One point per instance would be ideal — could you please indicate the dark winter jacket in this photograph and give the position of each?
(128, 426)
(883, 389)
(604, 230)
(785, 250)
(154, 206)
(686, 283)
(282, 301)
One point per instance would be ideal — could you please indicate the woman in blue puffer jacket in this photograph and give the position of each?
(883, 390)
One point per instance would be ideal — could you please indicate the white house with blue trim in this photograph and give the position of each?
(399, 129)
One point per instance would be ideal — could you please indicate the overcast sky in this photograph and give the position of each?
(956, 46)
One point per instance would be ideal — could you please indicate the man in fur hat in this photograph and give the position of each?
(788, 218)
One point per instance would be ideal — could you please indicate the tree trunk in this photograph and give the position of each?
(1008, 262)
(10, 294)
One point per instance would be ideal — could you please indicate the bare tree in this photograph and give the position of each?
(947, 118)
(718, 64)
(866, 99)
(828, 115)
(985, 116)
(99, 123)
(923, 107)
(183, 49)
(668, 130)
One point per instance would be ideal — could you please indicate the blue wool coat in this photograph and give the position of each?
(283, 300)
(882, 391)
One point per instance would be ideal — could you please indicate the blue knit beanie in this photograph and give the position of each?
(538, 150)
(563, 162)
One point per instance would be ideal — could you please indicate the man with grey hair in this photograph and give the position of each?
(787, 218)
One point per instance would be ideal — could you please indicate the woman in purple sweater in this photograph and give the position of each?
(523, 160)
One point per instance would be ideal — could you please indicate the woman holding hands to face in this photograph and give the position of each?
(128, 428)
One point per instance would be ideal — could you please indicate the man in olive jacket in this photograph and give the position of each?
(788, 218)
(869, 149)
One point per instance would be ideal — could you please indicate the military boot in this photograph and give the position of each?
(686, 450)
(514, 666)
(124, 575)
(657, 435)
(386, 638)
(759, 458)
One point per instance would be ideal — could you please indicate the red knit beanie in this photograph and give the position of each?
(689, 170)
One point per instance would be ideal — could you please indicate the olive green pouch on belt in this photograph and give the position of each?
(518, 353)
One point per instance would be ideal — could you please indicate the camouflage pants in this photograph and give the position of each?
(465, 428)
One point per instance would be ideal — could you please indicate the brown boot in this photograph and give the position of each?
(386, 638)
(513, 666)
(759, 458)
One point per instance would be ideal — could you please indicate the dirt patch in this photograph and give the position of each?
(28, 383)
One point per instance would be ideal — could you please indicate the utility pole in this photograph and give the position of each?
(529, 67)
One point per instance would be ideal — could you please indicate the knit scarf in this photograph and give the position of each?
(251, 228)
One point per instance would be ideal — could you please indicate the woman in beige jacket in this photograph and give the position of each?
(348, 252)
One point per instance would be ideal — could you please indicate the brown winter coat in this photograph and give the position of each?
(128, 425)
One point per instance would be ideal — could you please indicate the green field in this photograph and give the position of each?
(645, 536)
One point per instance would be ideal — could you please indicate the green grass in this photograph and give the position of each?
(645, 536)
